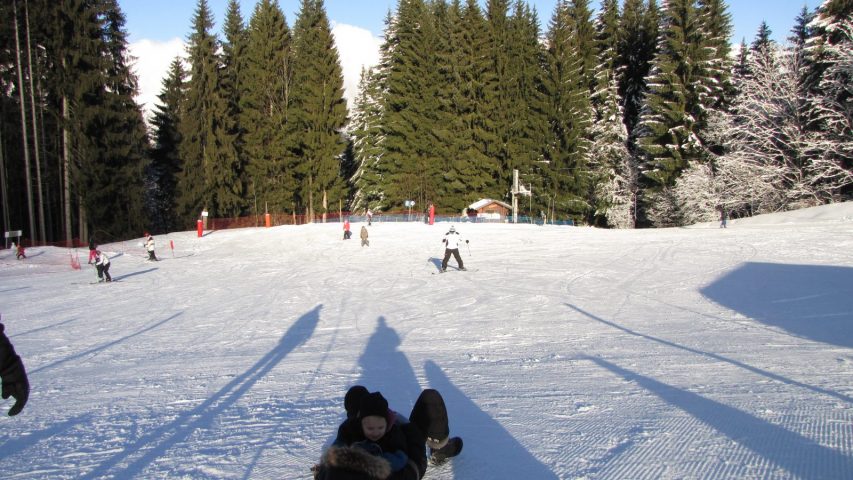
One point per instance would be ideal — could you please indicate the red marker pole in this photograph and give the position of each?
(200, 229)
(172, 244)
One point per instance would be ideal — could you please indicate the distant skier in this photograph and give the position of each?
(451, 243)
(723, 217)
(149, 245)
(92, 248)
(369, 217)
(13, 376)
(20, 253)
(102, 264)
(364, 240)
(347, 232)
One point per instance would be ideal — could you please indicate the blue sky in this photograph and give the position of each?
(162, 20)
(157, 29)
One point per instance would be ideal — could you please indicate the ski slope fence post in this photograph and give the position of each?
(172, 245)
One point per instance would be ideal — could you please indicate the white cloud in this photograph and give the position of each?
(152, 65)
(357, 48)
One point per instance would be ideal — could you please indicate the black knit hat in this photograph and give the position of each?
(373, 404)
(352, 400)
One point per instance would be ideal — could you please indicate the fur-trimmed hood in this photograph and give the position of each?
(357, 460)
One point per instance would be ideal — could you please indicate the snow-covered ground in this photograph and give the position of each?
(570, 353)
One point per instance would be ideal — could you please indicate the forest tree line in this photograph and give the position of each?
(638, 115)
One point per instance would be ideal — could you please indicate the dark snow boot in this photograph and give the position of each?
(453, 447)
(430, 416)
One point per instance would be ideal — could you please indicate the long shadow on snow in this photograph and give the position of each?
(800, 456)
(18, 445)
(156, 443)
(810, 301)
(485, 437)
(133, 274)
(386, 369)
(765, 373)
(105, 346)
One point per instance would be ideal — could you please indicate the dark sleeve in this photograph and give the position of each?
(347, 435)
(7, 352)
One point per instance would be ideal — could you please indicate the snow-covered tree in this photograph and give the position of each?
(774, 160)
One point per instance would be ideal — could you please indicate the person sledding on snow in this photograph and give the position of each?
(149, 245)
(373, 440)
(451, 247)
(102, 264)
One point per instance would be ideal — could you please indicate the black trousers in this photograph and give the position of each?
(104, 270)
(455, 253)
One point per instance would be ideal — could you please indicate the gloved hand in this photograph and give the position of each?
(13, 376)
(369, 447)
(466, 241)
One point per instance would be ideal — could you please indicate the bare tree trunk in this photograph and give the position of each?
(39, 194)
(24, 133)
(4, 195)
(66, 170)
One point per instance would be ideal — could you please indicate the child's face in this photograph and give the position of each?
(373, 427)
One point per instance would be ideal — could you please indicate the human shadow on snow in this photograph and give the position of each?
(492, 450)
(134, 458)
(717, 357)
(133, 274)
(798, 455)
(810, 301)
(386, 369)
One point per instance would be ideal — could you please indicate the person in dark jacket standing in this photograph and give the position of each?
(12, 375)
(451, 247)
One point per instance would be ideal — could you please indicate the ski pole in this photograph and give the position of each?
(469, 248)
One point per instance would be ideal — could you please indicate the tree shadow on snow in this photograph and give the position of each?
(485, 438)
(801, 456)
(134, 458)
(717, 357)
(101, 348)
(810, 301)
(31, 439)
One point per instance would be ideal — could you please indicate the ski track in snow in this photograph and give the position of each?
(563, 353)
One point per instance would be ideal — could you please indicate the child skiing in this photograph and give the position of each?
(20, 253)
(451, 247)
(364, 240)
(149, 245)
(102, 264)
(92, 248)
(347, 232)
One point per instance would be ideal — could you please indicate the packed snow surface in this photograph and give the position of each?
(562, 353)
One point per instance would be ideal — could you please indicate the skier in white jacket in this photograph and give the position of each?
(451, 247)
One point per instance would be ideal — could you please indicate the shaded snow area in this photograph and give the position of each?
(562, 353)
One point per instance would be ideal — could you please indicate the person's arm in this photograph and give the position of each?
(12, 375)
(398, 459)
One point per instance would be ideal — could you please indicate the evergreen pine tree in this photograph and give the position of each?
(410, 165)
(567, 86)
(674, 111)
(365, 131)
(211, 176)
(636, 48)
(319, 109)
(268, 132)
(166, 162)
